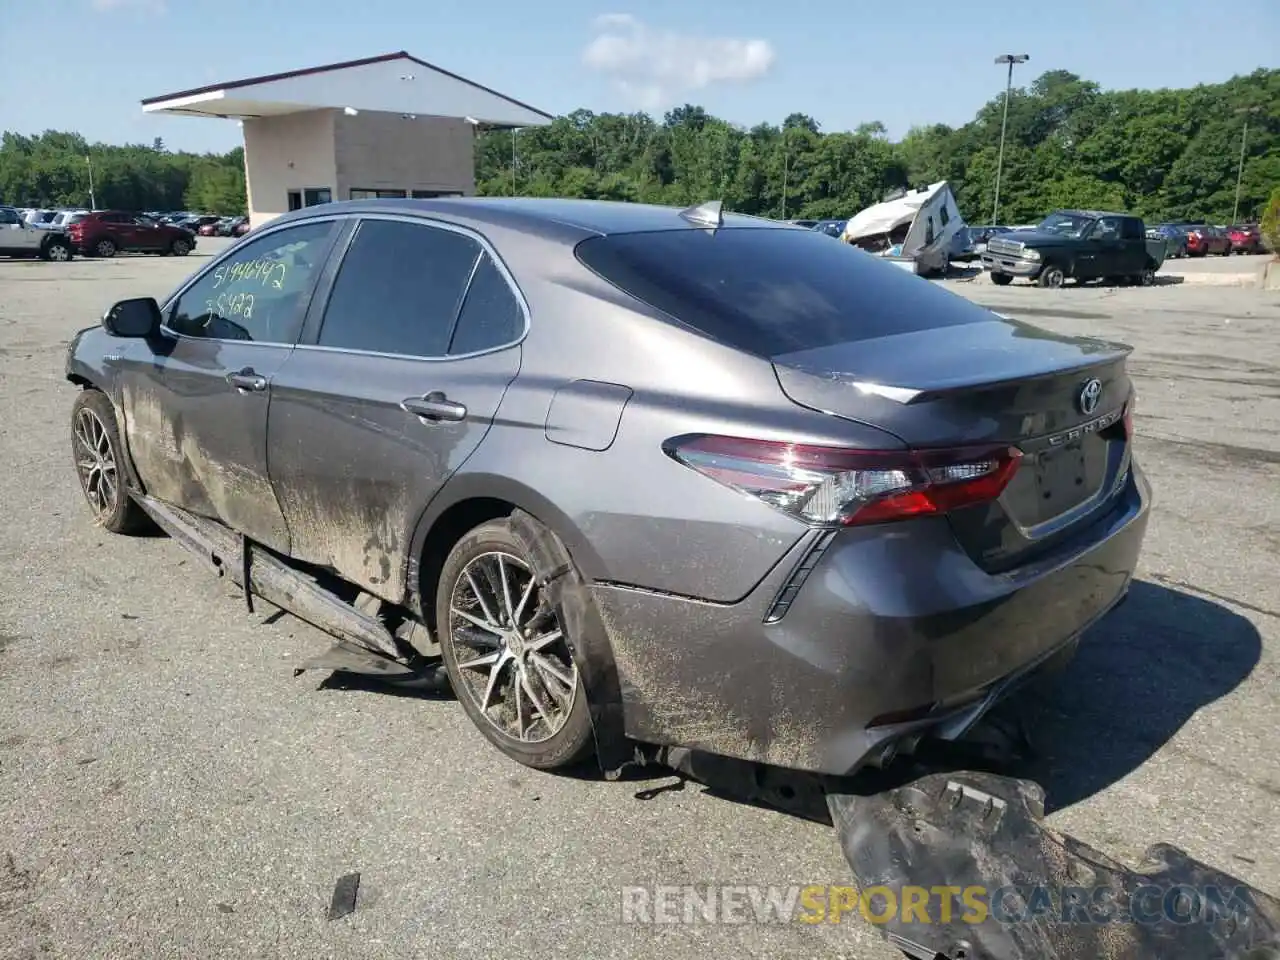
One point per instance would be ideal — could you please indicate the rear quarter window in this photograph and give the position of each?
(770, 292)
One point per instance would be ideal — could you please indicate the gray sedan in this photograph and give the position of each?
(640, 475)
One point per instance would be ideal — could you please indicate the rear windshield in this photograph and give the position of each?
(771, 291)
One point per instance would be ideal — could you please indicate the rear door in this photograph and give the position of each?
(122, 229)
(1103, 252)
(196, 400)
(397, 381)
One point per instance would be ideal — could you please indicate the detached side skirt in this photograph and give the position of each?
(364, 644)
(1046, 894)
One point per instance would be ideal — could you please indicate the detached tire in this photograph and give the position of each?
(504, 646)
(58, 251)
(98, 456)
(1051, 277)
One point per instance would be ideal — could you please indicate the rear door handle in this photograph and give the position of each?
(434, 406)
(247, 381)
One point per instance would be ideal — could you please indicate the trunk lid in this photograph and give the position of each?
(999, 381)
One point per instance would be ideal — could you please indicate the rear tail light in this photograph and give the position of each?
(829, 486)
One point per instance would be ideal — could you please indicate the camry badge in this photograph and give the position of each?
(1090, 393)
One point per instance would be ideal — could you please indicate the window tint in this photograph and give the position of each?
(399, 289)
(491, 315)
(9, 216)
(1131, 229)
(772, 291)
(945, 215)
(258, 293)
(1108, 228)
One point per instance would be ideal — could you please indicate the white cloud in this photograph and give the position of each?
(142, 6)
(654, 68)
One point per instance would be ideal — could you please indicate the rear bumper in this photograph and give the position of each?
(887, 637)
(1012, 265)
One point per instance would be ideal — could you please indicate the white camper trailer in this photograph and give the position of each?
(915, 230)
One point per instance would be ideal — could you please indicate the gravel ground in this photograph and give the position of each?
(168, 788)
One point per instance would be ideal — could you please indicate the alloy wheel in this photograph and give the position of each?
(96, 462)
(59, 253)
(510, 649)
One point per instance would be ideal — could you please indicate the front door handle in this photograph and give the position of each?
(434, 406)
(246, 380)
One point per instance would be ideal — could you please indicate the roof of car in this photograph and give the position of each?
(538, 215)
(1095, 214)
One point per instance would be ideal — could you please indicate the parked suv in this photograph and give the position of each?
(104, 233)
(1245, 238)
(18, 238)
(1203, 240)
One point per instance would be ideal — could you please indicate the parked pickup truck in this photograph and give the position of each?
(1081, 244)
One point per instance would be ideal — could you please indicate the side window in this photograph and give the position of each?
(1108, 228)
(260, 292)
(1131, 229)
(9, 216)
(491, 315)
(399, 289)
(945, 215)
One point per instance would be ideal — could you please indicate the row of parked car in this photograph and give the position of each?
(204, 224)
(60, 234)
(1185, 238)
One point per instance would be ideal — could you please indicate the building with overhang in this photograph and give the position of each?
(386, 126)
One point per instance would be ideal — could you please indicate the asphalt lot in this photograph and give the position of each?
(168, 788)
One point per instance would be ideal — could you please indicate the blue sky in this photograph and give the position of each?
(842, 61)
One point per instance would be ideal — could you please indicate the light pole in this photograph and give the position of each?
(1010, 59)
(513, 161)
(93, 201)
(1244, 133)
(785, 158)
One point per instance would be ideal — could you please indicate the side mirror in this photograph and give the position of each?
(137, 318)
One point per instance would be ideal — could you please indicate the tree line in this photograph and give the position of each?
(1163, 154)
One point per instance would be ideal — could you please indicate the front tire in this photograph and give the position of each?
(1051, 277)
(58, 251)
(98, 456)
(506, 651)
(1001, 279)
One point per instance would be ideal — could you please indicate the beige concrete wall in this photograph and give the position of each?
(390, 152)
(290, 152)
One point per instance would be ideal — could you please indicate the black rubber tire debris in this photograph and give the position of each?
(344, 896)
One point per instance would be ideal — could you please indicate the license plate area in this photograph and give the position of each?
(1067, 475)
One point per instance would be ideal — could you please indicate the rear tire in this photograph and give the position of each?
(1001, 279)
(98, 455)
(535, 709)
(180, 247)
(1051, 277)
(105, 248)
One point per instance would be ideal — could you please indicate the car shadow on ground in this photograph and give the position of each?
(1139, 676)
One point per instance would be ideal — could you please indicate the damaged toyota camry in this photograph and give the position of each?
(630, 475)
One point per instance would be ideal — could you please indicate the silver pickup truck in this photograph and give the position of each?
(20, 239)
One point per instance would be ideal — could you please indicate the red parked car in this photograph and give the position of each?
(1203, 240)
(1245, 238)
(104, 233)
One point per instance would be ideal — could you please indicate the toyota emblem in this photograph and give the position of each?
(1090, 393)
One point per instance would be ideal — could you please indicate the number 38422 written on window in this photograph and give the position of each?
(237, 301)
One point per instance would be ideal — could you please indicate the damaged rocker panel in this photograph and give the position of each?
(364, 645)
